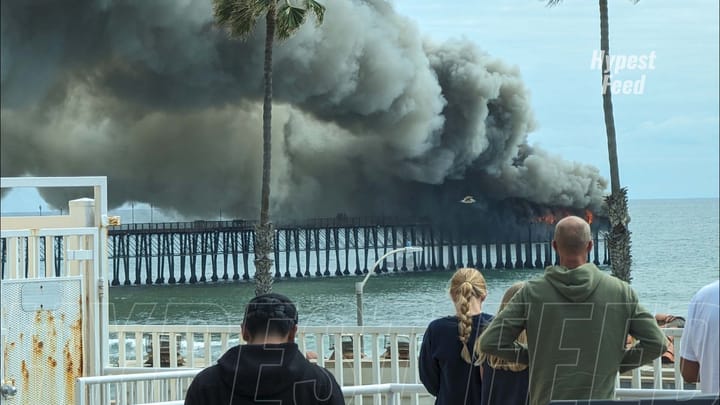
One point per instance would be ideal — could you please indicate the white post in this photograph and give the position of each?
(360, 285)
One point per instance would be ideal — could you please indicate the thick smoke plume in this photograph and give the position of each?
(368, 118)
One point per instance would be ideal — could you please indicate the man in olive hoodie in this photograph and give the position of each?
(577, 320)
(269, 368)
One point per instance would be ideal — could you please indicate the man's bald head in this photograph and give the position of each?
(572, 236)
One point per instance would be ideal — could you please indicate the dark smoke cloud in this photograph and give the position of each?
(368, 117)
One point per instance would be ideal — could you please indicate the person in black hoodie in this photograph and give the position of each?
(269, 368)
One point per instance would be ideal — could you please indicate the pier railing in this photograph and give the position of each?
(218, 251)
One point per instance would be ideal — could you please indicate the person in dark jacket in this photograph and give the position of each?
(447, 368)
(504, 382)
(269, 368)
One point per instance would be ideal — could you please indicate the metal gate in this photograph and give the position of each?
(53, 308)
(43, 341)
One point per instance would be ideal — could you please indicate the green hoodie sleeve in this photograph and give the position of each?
(499, 338)
(651, 341)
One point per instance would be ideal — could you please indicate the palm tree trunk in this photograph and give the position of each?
(264, 234)
(607, 99)
(618, 238)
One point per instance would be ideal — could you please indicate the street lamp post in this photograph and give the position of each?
(360, 285)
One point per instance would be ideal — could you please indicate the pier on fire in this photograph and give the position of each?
(212, 251)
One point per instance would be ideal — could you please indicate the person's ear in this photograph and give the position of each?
(292, 333)
(245, 334)
(554, 245)
(589, 245)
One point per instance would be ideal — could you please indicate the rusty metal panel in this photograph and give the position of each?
(43, 350)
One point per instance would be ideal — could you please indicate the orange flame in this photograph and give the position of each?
(546, 219)
(552, 218)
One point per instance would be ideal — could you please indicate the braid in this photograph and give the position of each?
(465, 285)
(464, 320)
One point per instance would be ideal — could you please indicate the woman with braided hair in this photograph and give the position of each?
(447, 355)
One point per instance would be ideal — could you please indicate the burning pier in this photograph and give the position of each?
(216, 251)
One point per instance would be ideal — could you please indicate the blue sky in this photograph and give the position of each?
(667, 136)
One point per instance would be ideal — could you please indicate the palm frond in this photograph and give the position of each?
(239, 17)
(317, 9)
(289, 20)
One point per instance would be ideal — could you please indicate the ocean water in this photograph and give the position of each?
(676, 250)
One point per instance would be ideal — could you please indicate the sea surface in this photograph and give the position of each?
(675, 247)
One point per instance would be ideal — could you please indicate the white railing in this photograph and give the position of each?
(658, 374)
(358, 375)
(133, 346)
(168, 388)
(636, 393)
(163, 388)
(372, 355)
(131, 389)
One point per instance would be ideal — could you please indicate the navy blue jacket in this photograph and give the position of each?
(442, 371)
(504, 387)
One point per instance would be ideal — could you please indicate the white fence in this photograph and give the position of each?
(129, 389)
(660, 375)
(371, 355)
(162, 388)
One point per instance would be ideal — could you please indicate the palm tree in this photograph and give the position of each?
(239, 17)
(618, 238)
